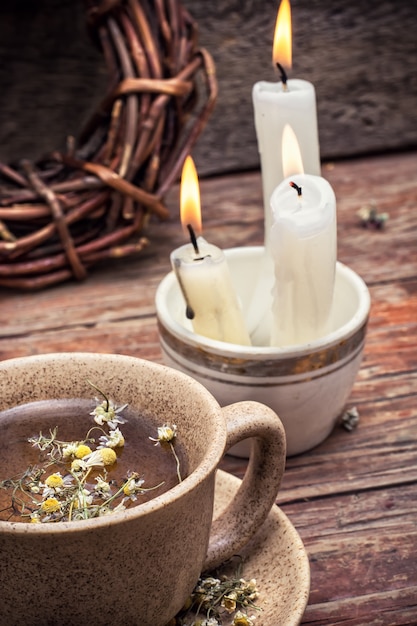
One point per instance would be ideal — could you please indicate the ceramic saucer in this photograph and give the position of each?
(276, 558)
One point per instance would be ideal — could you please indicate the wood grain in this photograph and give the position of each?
(353, 498)
(360, 57)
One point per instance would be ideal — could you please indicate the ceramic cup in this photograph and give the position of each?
(140, 565)
(306, 385)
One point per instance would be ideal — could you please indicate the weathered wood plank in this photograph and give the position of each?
(362, 512)
(382, 451)
(391, 608)
(360, 58)
(363, 567)
(136, 337)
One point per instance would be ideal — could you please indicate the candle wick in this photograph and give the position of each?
(193, 239)
(283, 76)
(189, 312)
(296, 187)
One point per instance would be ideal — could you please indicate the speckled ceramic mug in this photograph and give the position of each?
(137, 565)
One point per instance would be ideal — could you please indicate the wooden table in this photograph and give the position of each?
(353, 499)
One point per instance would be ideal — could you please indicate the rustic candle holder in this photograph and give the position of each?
(307, 385)
(69, 210)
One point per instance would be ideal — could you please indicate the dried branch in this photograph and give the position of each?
(69, 210)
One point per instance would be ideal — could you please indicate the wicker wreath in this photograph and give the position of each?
(67, 211)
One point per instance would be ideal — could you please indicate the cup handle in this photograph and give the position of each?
(259, 489)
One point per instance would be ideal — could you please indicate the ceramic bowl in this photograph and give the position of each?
(306, 385)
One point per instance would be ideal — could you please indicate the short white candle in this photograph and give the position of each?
(207, 287)
(277, 104)
(203, 274)
(304, 250)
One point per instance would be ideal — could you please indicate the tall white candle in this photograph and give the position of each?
(277, 104)
(304, 249)
(203, 274)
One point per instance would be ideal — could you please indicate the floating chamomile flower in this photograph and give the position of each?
(107, 413)
(100, 458)
(166, 433)
(55, 484)
(82, 450)
(68, 450)
(84, 499)
(133, 486)
(54, 481)
(114, 439)
(103, 487)
(78, 465)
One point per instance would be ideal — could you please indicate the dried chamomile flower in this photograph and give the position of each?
(50, 505)
(114, 439)
(56, 484)
(248, 590)
(82, 450)
(370, 217)
(241, 619)
(102, 487)
(100, 458)
(107, 412)
(350, 419)
(84, 499)
(166, 433)
(78, 465)
(132, 486)
(224, 596)
(229, 602)
(68, 451)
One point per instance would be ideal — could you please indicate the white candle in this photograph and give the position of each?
(203, 274)
(211, 301)
(277, 104)
(304, 250)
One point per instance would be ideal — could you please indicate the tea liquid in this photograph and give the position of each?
(72, 419)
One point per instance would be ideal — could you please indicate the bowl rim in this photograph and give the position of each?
(356, 322)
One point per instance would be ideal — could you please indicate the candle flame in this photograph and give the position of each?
(282, 48)
(292, 162)
(190, 206)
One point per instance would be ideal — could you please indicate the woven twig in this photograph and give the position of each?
(67, 211)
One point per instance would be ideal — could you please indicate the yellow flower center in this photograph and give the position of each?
(54, 480)
(166, 433)
(77, 465)
(127, 489)
(242, 620)
(50, 505)
(108, 456)
(82, 450)
(120, 442)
